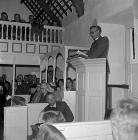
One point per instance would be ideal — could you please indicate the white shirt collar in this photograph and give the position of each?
(53, 105)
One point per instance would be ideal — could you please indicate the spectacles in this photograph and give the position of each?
(92, 32)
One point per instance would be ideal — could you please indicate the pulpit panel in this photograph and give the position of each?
(94, 108)
(81, 107)
(96, 83)
(91, 83)
(15, 123)
(81, 81)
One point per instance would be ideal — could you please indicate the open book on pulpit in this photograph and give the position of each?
(78, 54)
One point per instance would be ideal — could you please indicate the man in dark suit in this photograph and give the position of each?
(99, 49)
(100, 45)
(58, 106)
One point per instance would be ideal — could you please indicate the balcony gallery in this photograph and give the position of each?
(23, 38)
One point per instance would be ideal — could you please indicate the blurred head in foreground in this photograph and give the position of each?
(51, 117)
(124, 120)
(49, 132)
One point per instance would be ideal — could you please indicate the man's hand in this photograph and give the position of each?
(81, 53)
(8, 97)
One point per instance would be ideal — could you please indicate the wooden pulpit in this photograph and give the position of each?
(91, 87)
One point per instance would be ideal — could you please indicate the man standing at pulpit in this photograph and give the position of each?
(100, 45)
(99, 49)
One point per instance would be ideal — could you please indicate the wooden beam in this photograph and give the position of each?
(64, 11)
(55, 8)
(66, 3)
(48, 11)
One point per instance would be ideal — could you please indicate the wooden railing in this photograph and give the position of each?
(14, 32)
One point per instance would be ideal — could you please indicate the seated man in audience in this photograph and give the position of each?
(44, 93)
(69, 85)
(20, 85)
(58, 106)
(124, 120)
(37, 95)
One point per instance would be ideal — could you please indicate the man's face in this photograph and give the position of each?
(33, 90)
(94, 33)
(19, 78)
(43, 88)
(69, 84)
(38, 88)
(51, 100)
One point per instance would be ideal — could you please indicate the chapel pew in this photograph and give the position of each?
(18, 120)
(99, 130)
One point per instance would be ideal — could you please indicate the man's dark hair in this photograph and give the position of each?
(4, 13)
(97, 27)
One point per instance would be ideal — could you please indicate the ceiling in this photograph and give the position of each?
(52, 12)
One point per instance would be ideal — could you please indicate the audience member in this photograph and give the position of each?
(44, 93)
(6, 84)
(48, 132)
(124, 120)
(59, 93)
(20, 85)
(31, 19)
(26, 84)
(32, 92)
(48, 117)
(4, 16)
(34, 78)
(60, 84)
(69, 84)
(17, 18)
(58, 106)
(51, 117)
(37, 95)
(50, 74)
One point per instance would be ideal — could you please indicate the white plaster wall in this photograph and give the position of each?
(77, 33)
(116, 57)
(107, 8)
(69, 18)
(14, 6)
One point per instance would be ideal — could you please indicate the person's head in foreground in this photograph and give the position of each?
(48, 132)
(124, 120)
(51, 117)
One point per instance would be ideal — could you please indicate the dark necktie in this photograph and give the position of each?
(52, 108)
